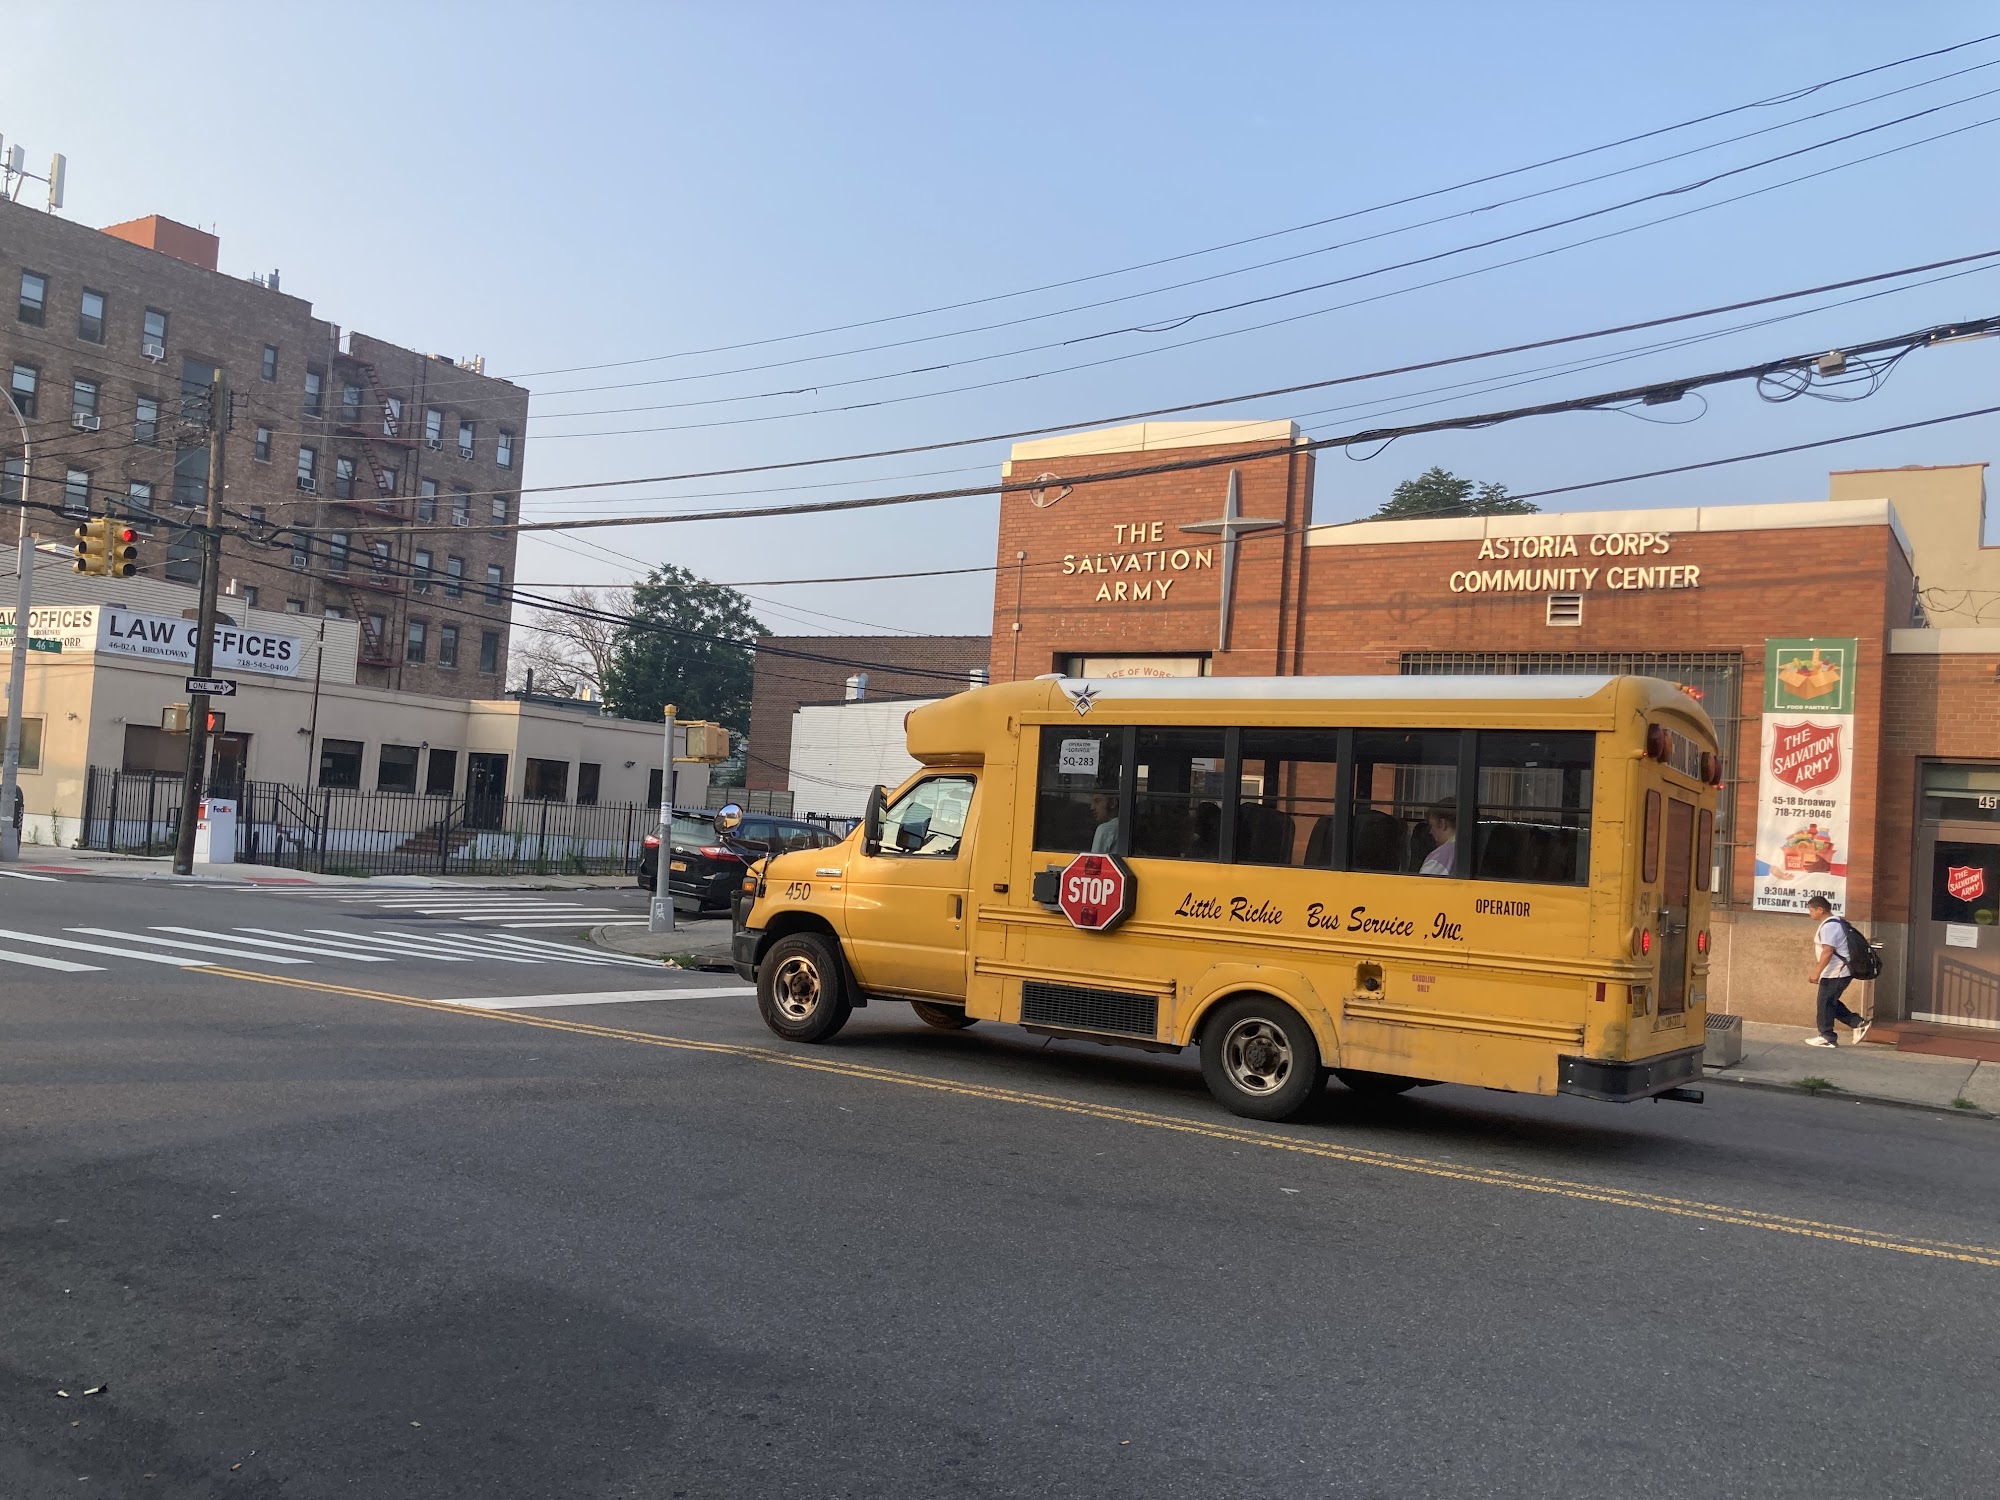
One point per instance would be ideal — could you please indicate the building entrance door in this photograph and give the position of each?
(1955, 899)
(485, 790)
(229, 765)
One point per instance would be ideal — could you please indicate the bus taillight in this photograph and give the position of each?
(1701, 941)
(1645, 941)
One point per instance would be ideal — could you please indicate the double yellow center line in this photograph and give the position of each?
(1522, 1182)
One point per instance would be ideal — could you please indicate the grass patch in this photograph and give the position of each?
(1961, 1102)
(1812, 1083)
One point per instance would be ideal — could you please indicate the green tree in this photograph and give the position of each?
(1439, 492)
(690, 643)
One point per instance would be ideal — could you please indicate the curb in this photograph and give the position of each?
(1840, 1095)
(704, 963)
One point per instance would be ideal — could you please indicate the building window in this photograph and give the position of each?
(31, 742)
(343, 478)
(503, 453)
(83, 403)
(350, 401)
(315, 394)
(139, 500)
(301, 550)
(308, 468)
(378, 558)
(295, 606)
(413, 641)
(499, 510)
(392, 415)
(340, 764)
(454, 577)
(396, 770)
(146, 423)
(386, 479)
(263, 445)
(334, 612)
(489, 650)
(26, 379)
(250, 596)
(546, 781)
(13, 478)
(587, 775)
(270, 362)
(337, 550)
(434, 427)
(183, 563)
(466, 433)
(420, 571)
(427, 500)
(191, 477)
(378, 626)
(153, 336)
(90, 317)
(441, 775)
(34, 297)
(448, 646)
(76, 492)
(461, 507)
(496, 581)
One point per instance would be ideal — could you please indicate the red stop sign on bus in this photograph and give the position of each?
(1095, 891)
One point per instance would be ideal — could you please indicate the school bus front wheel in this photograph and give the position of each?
(802, 989)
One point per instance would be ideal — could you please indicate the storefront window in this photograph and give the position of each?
(340, 764)
(1965, 883)
(1962, 794)
(397, 770)
(547, 781)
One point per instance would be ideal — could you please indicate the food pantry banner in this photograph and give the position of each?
(1804, 789)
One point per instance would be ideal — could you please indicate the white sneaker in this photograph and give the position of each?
(1819, 1041)
(1861, 1031)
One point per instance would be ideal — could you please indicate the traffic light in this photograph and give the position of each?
(106, 549)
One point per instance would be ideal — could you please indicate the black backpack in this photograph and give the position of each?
(1864, 960)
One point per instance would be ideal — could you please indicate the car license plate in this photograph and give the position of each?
(678, 864)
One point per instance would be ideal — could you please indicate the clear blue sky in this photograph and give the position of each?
(556, 186)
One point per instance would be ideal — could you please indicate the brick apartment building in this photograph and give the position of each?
(369, 475)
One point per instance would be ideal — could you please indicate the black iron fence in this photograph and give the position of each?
(333, 831)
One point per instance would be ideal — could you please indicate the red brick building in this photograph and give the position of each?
(1218, 569)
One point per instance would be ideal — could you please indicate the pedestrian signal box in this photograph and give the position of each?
(106, 549)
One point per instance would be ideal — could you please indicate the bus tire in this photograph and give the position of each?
(1259, 1058)
(1375, 1084)
(801, 988)
(944, 1017)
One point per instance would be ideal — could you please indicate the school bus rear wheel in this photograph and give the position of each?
(1259, 1058)
(801, 992)
(1377, 1084)
(944, 1017)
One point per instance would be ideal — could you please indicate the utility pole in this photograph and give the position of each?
(204, 641)
(17, 677)
(660, 916)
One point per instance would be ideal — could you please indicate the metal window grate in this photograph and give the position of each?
(1072, 1005)
(1712, 678)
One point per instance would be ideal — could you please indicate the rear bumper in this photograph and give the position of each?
(1622, 1082)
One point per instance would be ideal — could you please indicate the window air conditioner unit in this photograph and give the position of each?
(298, 563)
(84, 420)
(465, 453)
(310, 486)
(436, 445)
(154, 352)
(461, 520)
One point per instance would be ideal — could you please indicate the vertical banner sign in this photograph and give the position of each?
(1804, 791)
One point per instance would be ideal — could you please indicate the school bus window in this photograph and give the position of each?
(1405, 813)
(1649, 851)
(1076, 790)
(1284, 807)
(1704, 850)
(928, 821)
(1534, 807)
(1178, 788)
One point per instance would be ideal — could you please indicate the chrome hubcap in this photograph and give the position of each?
(795, 989)
(1256, 1056)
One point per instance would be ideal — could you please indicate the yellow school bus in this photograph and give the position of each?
(1496, 881)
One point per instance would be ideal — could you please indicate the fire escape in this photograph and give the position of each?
(377, 424)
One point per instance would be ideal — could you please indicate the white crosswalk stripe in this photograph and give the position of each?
(288, 943)
(27, 875)
(60, 965)
(182, 943)
(533, 945)
(175, 959)
(422, 945)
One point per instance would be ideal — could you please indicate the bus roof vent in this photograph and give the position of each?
(1565, 609)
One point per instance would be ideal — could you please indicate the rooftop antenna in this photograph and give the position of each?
(14, 172)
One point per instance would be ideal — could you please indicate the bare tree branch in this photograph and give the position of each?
(570, 652)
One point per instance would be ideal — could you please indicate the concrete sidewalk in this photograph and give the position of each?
(1779, 1057)
(42, 859)
(695, 943)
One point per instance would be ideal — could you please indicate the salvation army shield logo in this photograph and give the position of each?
(1804, 756)
(1965, 882)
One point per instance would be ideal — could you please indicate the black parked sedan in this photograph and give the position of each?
(705, 865)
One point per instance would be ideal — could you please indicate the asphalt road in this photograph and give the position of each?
(317, 1234)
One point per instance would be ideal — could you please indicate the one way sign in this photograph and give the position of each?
(214, 687)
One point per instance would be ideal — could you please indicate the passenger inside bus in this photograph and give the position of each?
(1443, 821)
(1104, 808)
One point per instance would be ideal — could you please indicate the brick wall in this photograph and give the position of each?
(1936, 707)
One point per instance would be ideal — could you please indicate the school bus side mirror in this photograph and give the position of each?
(871, 822)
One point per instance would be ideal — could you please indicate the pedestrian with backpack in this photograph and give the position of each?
(1839, 950)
